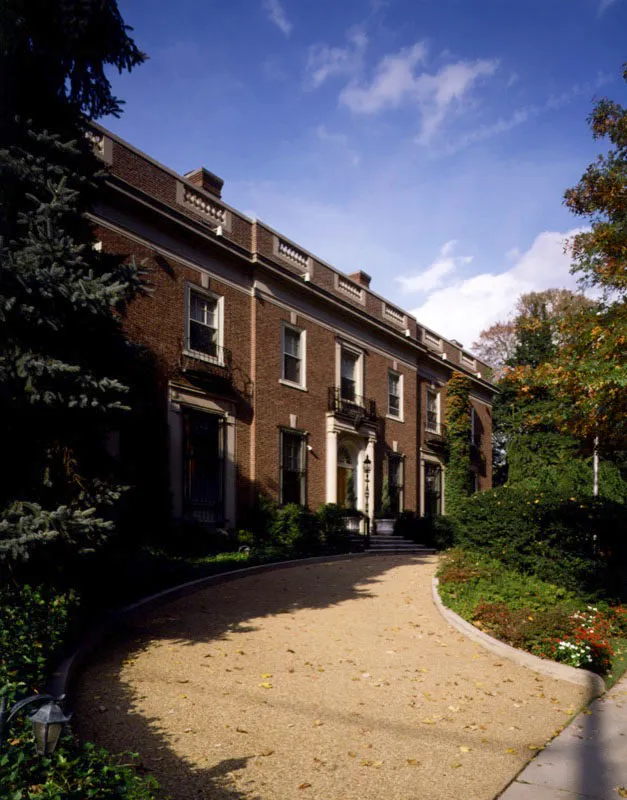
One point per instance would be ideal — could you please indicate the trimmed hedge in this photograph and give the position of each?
(576, 542)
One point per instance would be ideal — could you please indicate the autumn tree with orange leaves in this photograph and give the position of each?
(587, 374)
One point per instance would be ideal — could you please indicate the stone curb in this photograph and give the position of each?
(583, 677)
(61, 679)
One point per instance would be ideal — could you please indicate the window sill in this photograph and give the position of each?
(434, 431)
(293, 385)
(203, 357)
(392, 417)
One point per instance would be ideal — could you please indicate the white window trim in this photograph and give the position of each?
(303, 359)
(401, 389)
(219, 359)
(438, 427)
(360, 383)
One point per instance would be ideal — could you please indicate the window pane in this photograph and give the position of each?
(292, 342)
(348, 389)
(394, 384)
(291, 369)
(292, 472)
(197, 307)
(292, 488)
(349, 365)
(202, 338)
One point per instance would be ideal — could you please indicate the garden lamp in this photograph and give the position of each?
(367, 468)
(48, 720)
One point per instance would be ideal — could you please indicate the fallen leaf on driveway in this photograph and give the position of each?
(412, 762)
(304, 786)
(464, 749)
(622, 792)
(266, 685)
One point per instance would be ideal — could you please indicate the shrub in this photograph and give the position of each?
(438, 532)
(296, 530)
(34, 625)
(332, 522)
(573, 542)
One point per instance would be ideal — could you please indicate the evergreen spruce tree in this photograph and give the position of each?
(61, 300)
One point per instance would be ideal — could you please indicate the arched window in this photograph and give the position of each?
(344, 457)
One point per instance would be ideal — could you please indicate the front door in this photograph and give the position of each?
(203, 468)
(346, 495)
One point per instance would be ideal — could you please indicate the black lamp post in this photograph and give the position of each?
(367, 468)
(48, 720)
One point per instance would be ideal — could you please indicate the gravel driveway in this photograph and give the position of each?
(335, 681)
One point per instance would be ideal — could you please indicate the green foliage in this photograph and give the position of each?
(534, 330)
(458, 484)
(550, 459)
(332, 521)
(35, 625)
(385, 511)
(73, 772)
(438, 532)
(296, 530)
(63, 353)
(574, 542)
(526, 612)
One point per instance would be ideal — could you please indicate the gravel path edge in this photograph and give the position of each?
(582, 677)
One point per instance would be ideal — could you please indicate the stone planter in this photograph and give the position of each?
(385, 526)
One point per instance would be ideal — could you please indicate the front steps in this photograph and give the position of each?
(389, 543)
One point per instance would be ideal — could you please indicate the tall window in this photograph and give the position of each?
(474, 427)
(203, 324)
(203, 466)
(432, 489)
(395, 482)
(293, 472)
(395, 396)
(349, 375)
(433, 411)
(293, 355)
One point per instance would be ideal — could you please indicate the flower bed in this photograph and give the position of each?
(534, 615)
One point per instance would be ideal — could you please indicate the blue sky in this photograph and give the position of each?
(427, 142)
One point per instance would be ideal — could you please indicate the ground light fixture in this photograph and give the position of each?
(48, 720)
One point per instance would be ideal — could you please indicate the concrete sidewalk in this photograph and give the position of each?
(588, 760)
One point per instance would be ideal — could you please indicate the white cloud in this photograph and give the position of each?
(522, 115)
(465, 307)
(326, 62)
(276, 14)
(397, 82)
(393, 82)
(433, 276)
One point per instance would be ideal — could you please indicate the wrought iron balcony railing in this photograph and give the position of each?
(216, 362)
(355, 408)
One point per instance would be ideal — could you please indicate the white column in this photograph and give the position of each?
(229, 473)
(331, 463)
(175, 429)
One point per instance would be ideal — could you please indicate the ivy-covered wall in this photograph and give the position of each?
(459, 478)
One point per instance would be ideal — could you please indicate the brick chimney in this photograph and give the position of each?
(206, 180)
(361, 277)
